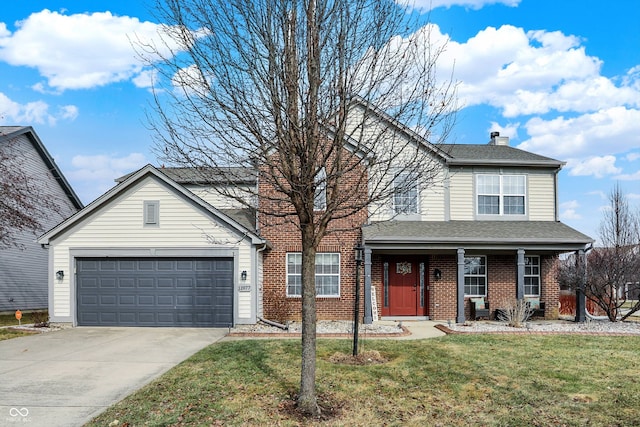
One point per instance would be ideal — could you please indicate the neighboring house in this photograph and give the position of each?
(162, 248)
(24, 268)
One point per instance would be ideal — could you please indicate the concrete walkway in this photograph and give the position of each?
(65, 378)
(421, 329)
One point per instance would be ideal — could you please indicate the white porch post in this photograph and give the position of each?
(368, 313)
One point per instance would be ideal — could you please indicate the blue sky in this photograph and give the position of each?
(561, 78)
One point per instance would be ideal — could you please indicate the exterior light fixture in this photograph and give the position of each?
(243, 275)
(59, 274)
(437, 274)
(358, 253)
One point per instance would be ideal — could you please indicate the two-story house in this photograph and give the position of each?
(163, 248)
(23, 262)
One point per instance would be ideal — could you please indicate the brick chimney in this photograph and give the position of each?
(496, 139)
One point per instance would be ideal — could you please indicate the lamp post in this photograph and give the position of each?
(358, 254)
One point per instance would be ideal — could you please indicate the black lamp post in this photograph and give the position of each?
(359, 255)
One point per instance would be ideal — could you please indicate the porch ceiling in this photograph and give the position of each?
(496, 235)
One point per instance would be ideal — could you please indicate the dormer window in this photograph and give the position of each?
(501, 194)
(151, 213)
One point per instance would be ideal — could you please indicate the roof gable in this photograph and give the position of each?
(135, 178)
(7, 133)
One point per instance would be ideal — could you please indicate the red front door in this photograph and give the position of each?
(405, 288)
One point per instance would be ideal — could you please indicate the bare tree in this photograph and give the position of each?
(613, 269)
(24, 205)
(278, 86)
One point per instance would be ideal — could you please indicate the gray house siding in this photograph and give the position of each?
(24, 267)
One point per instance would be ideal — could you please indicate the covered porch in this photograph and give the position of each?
(431, 270)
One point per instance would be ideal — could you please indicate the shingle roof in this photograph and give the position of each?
(461, 233)
(189, 175)
(494, 154)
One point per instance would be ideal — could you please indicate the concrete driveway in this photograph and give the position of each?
(67, 377)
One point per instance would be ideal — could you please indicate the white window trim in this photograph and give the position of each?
(534, 275)
(155, 221)
(486, 284)
(317, 295)
(501, 195)
(393, 195)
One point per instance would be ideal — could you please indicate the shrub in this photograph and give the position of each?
(515, 312)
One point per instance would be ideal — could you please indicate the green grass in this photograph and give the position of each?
(476, 380)
(7, 334)
(10, 319)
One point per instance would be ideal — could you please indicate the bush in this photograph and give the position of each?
(515, 312)
(40, 319)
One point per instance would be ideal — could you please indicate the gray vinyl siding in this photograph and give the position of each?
(23, 269)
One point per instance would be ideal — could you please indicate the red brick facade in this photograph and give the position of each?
(501, 284)
(284, 237)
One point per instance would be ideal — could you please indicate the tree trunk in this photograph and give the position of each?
(307, 400)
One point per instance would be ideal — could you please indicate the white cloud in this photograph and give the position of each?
(596, 166)
(77, 51)
(146, 79)
(632, 157)
(35, 112)
(568, 210)
(93, 175)
(601, 194)
(614, 130)
(629, 176)
(425, 5)
(510, 129)
(534, 72)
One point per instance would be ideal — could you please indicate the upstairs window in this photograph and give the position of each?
(151, 213)
(320, 197)
(501, 194)
(405, 196)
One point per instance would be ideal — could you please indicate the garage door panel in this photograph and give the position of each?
(155, 292)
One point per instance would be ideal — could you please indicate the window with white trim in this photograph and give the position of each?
(405, 195)
(501, 194)
(320, 197)
(475, 276)
(151, 213)
(532, 276)
(327, 274)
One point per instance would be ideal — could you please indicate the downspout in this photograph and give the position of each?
(255, 277)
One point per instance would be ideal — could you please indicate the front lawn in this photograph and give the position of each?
(482, 380)
(7, 334)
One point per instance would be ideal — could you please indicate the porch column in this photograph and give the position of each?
(460, 288)
(581, 298)
(368, 312)
(520, 282)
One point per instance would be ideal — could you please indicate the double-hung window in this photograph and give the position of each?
(327, 274)
(532, 276)
(405, 195)
(475, 276)
(501, 194)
